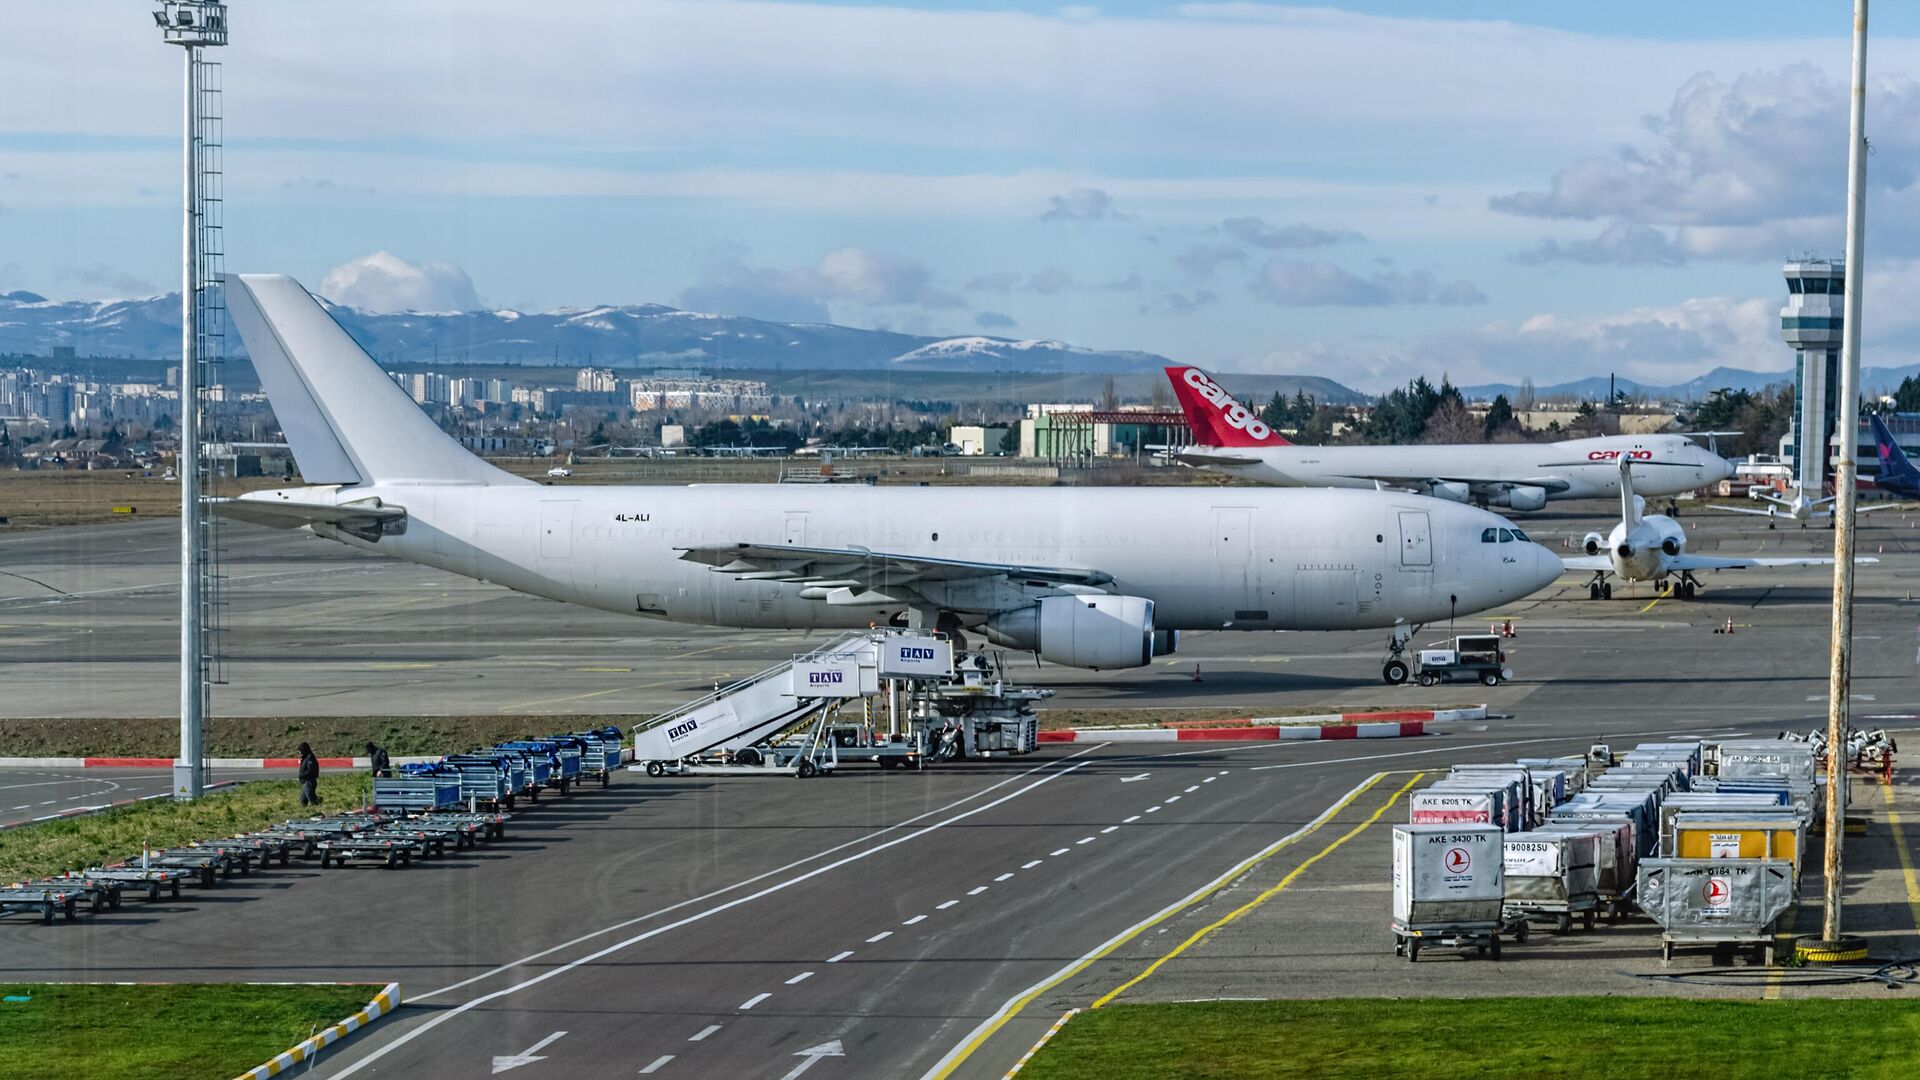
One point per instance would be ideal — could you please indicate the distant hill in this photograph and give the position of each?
(1595, 388)
(639, 335)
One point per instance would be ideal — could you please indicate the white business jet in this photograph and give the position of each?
(1088, 577)
(1653, 547)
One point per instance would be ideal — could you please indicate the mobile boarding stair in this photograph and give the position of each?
(732, 730)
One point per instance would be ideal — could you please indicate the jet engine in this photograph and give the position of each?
(1166, 642)
(1670, 546)
(1522, 497)
(1450, 490)
(1593, 544)
(1084, 631)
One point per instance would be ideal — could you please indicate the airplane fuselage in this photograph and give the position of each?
(1208, 559)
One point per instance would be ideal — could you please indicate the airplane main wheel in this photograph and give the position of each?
(1593, 591)
(1606, 591)
(1687, 589)
(1394, 673)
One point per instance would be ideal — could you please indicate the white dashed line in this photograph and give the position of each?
(1173, 798)
(1193, 789)
(1030, 865)
(839, 956)
(1004, 876)
(1108, 829)
(1153, 809)
(976, 890)
(49, 802)
(1209, 779)
(881, 936)
(654, 1065)
(944, 906)
(1222, 772)
(704, 1032)
(800, 978)
(915, 919)
(1058, 853)
(24, 806)
(1084, 840)
(1131, 820)
(752, 1001)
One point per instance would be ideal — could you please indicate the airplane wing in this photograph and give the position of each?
(1588, 562)
(1739, 509)
(861, 576)
(369, 520)
(1877, 507)
(1710, 562)
(1213, 459)
(1548, 483)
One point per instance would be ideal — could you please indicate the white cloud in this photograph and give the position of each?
(387, 283)
(1081, 204)
(1201, 260)
(1257, 233)
(1298, 283)
(994, 320)
(728, 285)
(1619, 244)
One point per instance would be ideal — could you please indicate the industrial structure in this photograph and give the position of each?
(196, 25)
(1813, 324)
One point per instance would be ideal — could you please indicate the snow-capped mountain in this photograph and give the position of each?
(638, 334)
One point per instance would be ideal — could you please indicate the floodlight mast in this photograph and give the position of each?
(193, 25)
(1839, 676)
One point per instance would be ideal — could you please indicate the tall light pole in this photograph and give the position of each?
(194, 25)
(1838, 679)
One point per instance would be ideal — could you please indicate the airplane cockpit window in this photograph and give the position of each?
(1489, 536)
(1520, 536)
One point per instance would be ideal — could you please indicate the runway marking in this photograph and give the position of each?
(1193, 789)
(976, 890)
(1057, 854)
(1906, 860)
(879, 937)
(656, 1063)
(24, 806)
(1131, 779)
(1030, 865)
(1108, 829)
(1173, 798)
(915, 919)
(1085, 840)
(1004, 876)
(1153, 809)
(839, 956)
(975, 1039)
(1210, 779)
(571, 697)
(1201, 934)
(944, 905)
(795, 864)
(754, 1000)
(604, 669)
(397, 666)
(703, 1033)
(800, 978)
(1657, 599)
(1131, 820)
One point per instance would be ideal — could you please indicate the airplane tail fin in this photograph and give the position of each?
(1213, 414)
(1893, 460)
(345, 419)
(1630, 504)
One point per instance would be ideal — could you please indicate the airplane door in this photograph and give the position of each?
(1233, 550)
(797, 528)
(1416, 541)
(556, 529)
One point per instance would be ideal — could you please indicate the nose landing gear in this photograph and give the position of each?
(1599, 588)
(1395, 671)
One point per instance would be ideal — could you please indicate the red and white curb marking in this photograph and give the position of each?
(1371, 725)
(217, 763)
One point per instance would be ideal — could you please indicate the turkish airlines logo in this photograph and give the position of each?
(1458, 860)
(1616, 455)
(1716, 891)
(1236, 415)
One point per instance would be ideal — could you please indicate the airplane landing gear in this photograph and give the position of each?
(1599, 588)
(1688, 585)
(1395, 670)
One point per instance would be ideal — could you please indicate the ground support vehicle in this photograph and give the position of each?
(806, 754)
(152, 880)
(1466, 658)
(1448, 882)
(1724, 903)
(44, 900)
(1551, 875)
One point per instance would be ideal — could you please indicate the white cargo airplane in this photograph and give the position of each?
(1088, 577)
(1653, 547)
(1520, 476)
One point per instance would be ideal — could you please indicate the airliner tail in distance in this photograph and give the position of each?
(1897, 472)
(1216, 417)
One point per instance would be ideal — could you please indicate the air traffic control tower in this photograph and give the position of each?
(1811, 323)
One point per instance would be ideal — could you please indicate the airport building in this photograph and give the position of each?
(1811, 323)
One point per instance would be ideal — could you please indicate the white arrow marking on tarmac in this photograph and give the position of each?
(814, 1054)
(525, 1057)
(1131, 779)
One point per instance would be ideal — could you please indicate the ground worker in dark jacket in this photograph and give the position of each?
(377, 758)
(309, 776)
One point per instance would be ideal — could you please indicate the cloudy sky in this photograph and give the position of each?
(1366, 192)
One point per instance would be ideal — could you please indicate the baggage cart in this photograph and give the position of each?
(1448, 889)
(94, 896)
(1716, 836)
(152, 880)
(601, 755)
(1551, 875)
(488, 778)
(487, 826)
(393, 853)
(1618, 861)
(434, 788)
(41, 900)
(1725, 903)
(548, 766)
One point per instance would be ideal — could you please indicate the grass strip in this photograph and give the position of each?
(1485, 1039)
(76, 843)
(278, 736)
(160, 1032)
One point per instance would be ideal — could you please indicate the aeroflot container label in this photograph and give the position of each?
(836, 678)
(915, 658)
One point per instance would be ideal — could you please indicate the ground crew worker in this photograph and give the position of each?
(309, 776)
(378, 760)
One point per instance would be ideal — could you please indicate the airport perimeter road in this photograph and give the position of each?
(26, 794)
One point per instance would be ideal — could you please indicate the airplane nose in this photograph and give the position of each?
(1546, 569)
